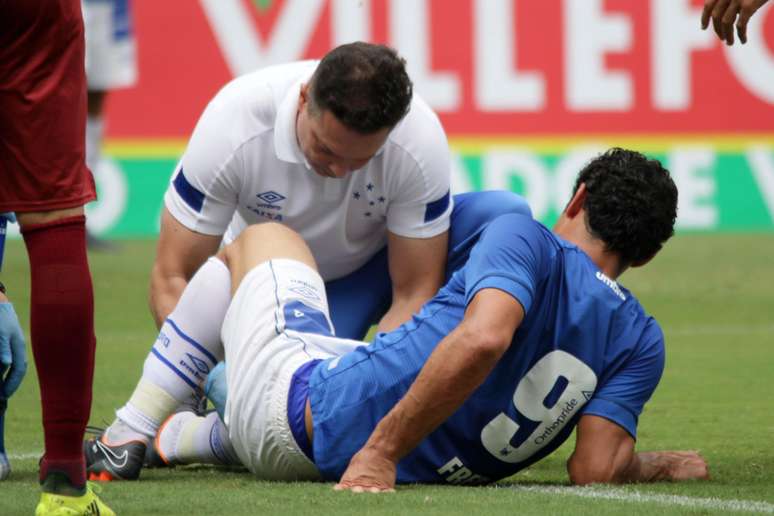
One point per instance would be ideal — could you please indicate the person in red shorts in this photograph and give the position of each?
(44, 179)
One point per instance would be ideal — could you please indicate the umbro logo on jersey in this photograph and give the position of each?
(269, 206)
(298, 313)
(271, 197)
(612, 284)
(113, 457)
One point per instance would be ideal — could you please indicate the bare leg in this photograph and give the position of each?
(260, 243)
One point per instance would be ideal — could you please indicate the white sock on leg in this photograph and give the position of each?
(187, 347)
(187, 438)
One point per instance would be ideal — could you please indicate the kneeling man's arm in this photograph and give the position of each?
(604, 453)
(179, 253)
(417, 267)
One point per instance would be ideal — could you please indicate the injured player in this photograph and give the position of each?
(530, 339)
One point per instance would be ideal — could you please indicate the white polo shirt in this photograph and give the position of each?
(243, 166)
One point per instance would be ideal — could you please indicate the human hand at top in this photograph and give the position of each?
(723, 13)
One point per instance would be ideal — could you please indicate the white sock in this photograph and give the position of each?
(95, 128)
(190, 439)
(187, 348)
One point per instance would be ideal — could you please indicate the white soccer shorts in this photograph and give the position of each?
(268, 334)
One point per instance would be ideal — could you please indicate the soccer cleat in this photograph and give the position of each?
(153, 459)
(88, 504)
(105, 462)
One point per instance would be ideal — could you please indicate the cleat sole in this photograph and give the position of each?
(102, 476)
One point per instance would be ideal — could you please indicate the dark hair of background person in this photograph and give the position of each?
(365, 86)
(631, 203)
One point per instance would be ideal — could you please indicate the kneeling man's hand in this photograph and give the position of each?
(368, 472)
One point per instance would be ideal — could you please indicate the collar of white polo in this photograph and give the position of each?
(285, 140)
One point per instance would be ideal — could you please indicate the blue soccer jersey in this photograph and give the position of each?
(585, 346)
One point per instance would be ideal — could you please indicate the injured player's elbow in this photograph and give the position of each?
(596, 470)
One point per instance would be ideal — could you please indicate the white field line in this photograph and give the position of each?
(621, 495)
(25, 456)
(614, 494)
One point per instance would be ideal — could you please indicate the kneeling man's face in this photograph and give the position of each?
(331, 148)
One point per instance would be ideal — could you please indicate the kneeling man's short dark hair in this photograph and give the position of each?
(364, 85)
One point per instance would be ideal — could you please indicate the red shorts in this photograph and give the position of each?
(42, 106)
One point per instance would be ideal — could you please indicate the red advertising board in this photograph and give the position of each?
(489, 67)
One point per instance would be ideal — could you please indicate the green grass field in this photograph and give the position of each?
(713, 295)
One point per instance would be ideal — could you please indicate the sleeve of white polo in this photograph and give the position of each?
(204, 189)
(422, 205)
